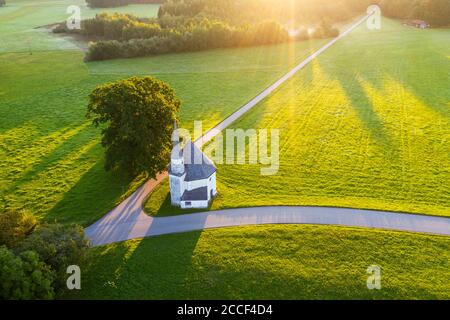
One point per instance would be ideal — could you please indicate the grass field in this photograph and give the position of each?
(20, 19)
(366, 125)
(51, 160)
(271, 262)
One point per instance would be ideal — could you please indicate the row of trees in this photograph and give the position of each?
(250, 11)
(34, 257)
(116, 3)
(201, 36)
(124, 27)
(435, 12)
(125, 36)
(120, 27)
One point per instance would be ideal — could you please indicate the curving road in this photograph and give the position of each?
(134, 225)
(129, 221)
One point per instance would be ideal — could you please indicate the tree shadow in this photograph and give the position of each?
(431, 87)
(350, 81)
(153, 268)
(420, 69)
(91, 197)
(51, 149)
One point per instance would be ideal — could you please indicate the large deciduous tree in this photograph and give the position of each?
(138, 115)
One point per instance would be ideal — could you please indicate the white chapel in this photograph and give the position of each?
(192, 176)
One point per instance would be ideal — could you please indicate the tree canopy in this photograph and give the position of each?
(34, 258)
(137, 116)
(24, 276)
(58, 246)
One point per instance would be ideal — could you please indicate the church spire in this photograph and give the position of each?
(176, 159)
(175, 134)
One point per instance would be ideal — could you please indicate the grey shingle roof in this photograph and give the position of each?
(196, 164)
(196, 194)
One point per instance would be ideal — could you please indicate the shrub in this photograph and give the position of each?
(15, 226)
(109, 26)
(140, 30)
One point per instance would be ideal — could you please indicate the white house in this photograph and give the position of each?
(192, 176)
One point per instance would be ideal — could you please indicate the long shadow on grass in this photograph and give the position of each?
(53, 148)
(428, 80)
(361, 103)
(91, 197)
(423, 70)
(156, 268)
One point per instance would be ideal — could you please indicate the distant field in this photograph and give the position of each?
(51, 160)
(271, 262)
(20, 18)
(366, 125)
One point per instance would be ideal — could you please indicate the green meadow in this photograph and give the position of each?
(366, 125)
(270, 262)
(51, 159)
(20, 21)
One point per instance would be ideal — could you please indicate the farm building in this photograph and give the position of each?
(192, 176)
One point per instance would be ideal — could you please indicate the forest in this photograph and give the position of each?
(436, 12)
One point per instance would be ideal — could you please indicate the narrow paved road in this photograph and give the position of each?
(142, 225)
(128, 220)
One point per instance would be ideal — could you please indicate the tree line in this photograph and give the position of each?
(116, 3)
(435, 12)
(147, 39)
(238, 11)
